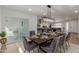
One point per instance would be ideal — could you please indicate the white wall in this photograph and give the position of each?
(19, 15)
(33, 23)
(0, 19)
(16, 17)
(78, 24)
(73, 26)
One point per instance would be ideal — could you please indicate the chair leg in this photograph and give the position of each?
(68, 43)
(27, 50)
(33, 50)
(24, 51)
(63, 48)
(56, 49)
(60, 49)
(65, 45)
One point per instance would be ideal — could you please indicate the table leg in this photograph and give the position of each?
(42, 49)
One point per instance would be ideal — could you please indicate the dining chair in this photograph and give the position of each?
(53, 47)
(49, 41)
(67, 39)
(32, 33)
(61, 43)
(28, 46)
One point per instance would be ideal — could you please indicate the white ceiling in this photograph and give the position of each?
(58, 11)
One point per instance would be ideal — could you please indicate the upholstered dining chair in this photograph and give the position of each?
(53, 47)
(28, 46)
(61, 43)
(32, 33)
(67, 39)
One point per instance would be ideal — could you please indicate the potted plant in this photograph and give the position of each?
(3, 39)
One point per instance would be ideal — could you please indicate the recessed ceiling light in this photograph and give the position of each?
(76, 11)
(29, 9)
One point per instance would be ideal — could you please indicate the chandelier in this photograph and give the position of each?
(48, 17)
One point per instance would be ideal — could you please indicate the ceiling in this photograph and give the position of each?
(57, 11)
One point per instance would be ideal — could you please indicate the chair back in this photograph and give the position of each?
(32, 33)
(26, 45)
(55, 43)
(62, 40)
(67, 36)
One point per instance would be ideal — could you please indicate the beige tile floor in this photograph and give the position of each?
(74, 48)
(16, 48)
(12, 48)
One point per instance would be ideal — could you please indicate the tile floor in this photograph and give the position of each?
(15, 48)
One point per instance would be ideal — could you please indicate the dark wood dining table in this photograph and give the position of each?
(39, 41)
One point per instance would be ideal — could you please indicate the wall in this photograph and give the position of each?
(0, 19)
(19, 15)
(73, 26)
(33, 23)
(14, 19)
(78, 24)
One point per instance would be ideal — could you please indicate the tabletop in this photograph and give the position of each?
(40, 40)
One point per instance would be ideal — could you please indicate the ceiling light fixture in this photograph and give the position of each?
(48, 15)
(29, 9)
(48, 20)
(76, 11)
(49, 11)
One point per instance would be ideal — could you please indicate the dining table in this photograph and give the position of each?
(40, 40)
